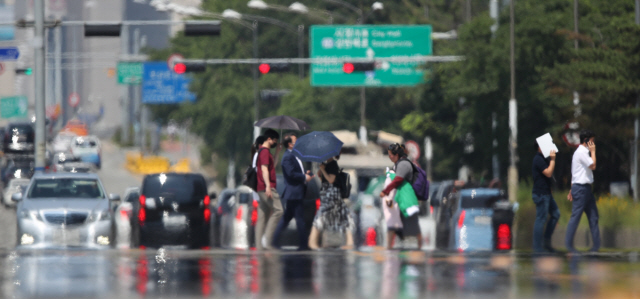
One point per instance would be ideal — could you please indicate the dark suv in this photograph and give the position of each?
(19, 138)
(173, 209)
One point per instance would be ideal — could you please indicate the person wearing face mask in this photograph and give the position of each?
(269, 208)
(333, 214)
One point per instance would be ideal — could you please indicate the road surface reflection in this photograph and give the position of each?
(167, 273)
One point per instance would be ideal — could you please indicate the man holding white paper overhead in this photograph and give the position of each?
(542, 197)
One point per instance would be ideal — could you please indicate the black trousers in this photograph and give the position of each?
(294, 209)
(583, 202)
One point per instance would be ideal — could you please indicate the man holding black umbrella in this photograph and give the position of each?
(270, 207)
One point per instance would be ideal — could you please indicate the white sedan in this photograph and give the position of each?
(16, 185)
(88, 149)
(62, 142)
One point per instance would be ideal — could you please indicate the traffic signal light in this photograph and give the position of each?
(102, 30)
(201, 29)
(24, 71)
(273, 67)
(189, 67)
(350, 67)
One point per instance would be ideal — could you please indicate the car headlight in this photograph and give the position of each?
(34, 215)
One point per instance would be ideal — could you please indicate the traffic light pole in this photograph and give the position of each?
(124, 89)
(39, 68)
(513, 116)
(363, 116)
(58, 77)
(254, 72)
(300, 50)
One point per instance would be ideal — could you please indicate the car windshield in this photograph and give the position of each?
(179, 188)
(22, 130)
(132, 197)
(479, 202)
(64, 138)
(86, 143)
(66, 188)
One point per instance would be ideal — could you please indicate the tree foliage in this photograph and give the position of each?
(463, 106)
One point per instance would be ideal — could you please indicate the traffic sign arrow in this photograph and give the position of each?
(10, 53)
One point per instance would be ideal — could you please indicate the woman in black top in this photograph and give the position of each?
(333, 214)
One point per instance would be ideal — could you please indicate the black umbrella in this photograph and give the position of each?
(282, 122)
(317, 146)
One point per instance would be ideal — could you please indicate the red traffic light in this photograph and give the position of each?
(348, 67)
(264, 68)
(179, 68)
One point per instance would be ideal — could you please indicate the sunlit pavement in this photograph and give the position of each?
(177, 273)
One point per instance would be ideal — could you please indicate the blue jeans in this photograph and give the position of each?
(583, 201)
(545, 205)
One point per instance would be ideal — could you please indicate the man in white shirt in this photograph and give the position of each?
(582, 166)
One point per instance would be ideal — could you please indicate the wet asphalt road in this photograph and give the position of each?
(168, 273)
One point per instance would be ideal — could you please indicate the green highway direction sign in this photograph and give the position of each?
(129, 72)
(370, 41)
(13, 107)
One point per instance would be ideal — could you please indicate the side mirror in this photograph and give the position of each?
(16, 197)
(114, 197)
(213, 195)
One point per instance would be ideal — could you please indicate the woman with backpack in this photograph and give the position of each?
(333, 215)
(405, 195)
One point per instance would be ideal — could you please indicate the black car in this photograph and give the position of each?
(19, 138)
(18, 168)
(172, 209)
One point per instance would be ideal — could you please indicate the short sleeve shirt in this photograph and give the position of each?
(331, 168)
(404, 169)
(580, 171)
(541, 183)
(265, 158)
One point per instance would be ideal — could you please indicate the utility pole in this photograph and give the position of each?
(636, 194)
(363, 99)
(254, 72)
(39, 70)
(58, 75)
(300, 50)
(137, 112)
(513, 115)
(495, 163)
(124, 44)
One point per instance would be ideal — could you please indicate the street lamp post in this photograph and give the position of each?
(513, 114)
(39, 85)
(254, 72)
(636, 125)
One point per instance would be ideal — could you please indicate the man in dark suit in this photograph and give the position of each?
(295, 185)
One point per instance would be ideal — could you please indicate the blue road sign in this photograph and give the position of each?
(9, 53)
(163, 86)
